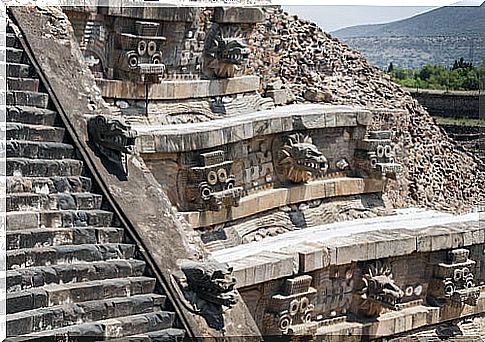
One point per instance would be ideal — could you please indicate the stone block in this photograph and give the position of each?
(348, 186)
(317, 95)
(438, 238)
(20, 324)
(238, 15)
(393, 243)
(22, 220)
(330, 190)
(385, 325)
(313, 256)
(330, 119)
(349, 249)
(433, 316)
(311, 121)
(278, 95)
(364, 118)
(346, 119)
(419, 319)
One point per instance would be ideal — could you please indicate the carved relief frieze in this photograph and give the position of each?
(335, 286)
(212, 186)
(292, 217)
(297, 159)
(454, 281)
(138, 53)
(290, 311)
(375, 155)
(379, 292)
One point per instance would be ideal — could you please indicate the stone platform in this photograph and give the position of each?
(407, 232)
(189, 137)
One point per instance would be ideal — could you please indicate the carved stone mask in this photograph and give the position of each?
(380, 290)
(300, 160)
(211, 281)
(234, 51)
(223, 54)
(112, 134)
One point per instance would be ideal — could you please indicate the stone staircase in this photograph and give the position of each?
(71, 270)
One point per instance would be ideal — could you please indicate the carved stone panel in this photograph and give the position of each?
(454, 281)
(375, 155)
(290, 311)
(138, 53)
(210, 184)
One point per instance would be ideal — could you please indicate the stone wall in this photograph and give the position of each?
(458, 104)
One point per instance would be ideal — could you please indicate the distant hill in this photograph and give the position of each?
(436, 37)
(443, 21)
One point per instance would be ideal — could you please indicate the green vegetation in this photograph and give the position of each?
(461, 76)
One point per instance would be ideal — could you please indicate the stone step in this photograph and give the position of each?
(56, 201)
(29, 84)
(69, 254)
(39, 150)
(14, 55)
(168, 335)
(20, 131)
(55, 317)
(12, 41)
(20, 220)
(27, 98)
(31, 115)
(106, 329)
(19, 70)
(34, 277)
(44, 237)
(59, 294)
(48, 185)
(43, 167)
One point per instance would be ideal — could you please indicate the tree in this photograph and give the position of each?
(390, 68)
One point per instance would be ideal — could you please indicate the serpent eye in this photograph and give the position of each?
(380, 151)
(152, 48)
(132, 61)
(212, 177)
(142, 47)
(157, 58)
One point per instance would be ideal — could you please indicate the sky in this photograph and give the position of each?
(357, 12)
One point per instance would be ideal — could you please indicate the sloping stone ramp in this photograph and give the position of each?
(71, 270)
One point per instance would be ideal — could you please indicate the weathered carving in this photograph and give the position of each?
(223, 56)
(113, 138)
(298, 160)
(453, 281)
(375, 155)
(295, 216)
(138, 53)
(208, 287)
(379, 291)
(212, 186)
(290, 311)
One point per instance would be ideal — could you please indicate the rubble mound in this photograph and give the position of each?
(438, 174)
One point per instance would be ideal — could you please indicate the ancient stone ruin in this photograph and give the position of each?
(226, 172)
